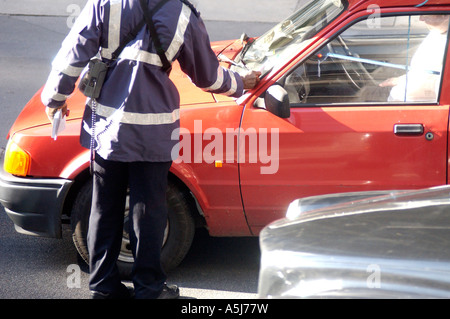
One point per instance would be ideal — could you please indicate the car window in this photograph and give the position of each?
(395, 59)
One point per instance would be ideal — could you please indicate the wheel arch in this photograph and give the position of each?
(195, 207)
(174, 176)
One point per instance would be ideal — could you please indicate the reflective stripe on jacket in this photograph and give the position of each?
(138, 109)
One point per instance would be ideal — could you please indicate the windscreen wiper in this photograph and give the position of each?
(223, 58)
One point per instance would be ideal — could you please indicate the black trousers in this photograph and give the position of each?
(147, 184)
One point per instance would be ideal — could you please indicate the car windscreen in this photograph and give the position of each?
(289, 36)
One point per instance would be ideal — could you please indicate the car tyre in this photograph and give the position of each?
(178, 235)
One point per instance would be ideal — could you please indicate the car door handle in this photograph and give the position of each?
(408, 129)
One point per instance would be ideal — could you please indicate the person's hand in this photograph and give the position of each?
(251, 79)
(52, 111)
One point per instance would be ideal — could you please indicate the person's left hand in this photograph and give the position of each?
(251, 79)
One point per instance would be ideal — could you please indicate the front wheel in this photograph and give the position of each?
(178, 234)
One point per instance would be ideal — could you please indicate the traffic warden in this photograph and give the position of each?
(135, 116)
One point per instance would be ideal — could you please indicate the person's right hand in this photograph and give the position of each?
(52, 111)
(251, 79)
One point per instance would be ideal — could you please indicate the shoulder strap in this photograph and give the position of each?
(167, 66)
(128, 39)
(191, 6)
(147, 20)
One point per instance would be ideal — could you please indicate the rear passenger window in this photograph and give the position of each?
(388, 60)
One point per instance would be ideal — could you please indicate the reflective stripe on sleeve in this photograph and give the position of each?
(219, 82)
(60, 65)
(50, 89)
(59, 97)
(136, 118)
(234, 86)
(69, 70)
(49, 94)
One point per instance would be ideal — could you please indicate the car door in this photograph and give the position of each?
(350, 129)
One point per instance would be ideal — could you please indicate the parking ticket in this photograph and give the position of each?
(59, 124)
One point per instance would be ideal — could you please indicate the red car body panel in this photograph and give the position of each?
(321, 149)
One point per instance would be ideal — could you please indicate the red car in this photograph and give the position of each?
(354, 96)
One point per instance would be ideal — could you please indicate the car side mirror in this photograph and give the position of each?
(276, 101)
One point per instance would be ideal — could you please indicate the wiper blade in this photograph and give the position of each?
(224, 58)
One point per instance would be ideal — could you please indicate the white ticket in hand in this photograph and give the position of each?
(59, 124)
